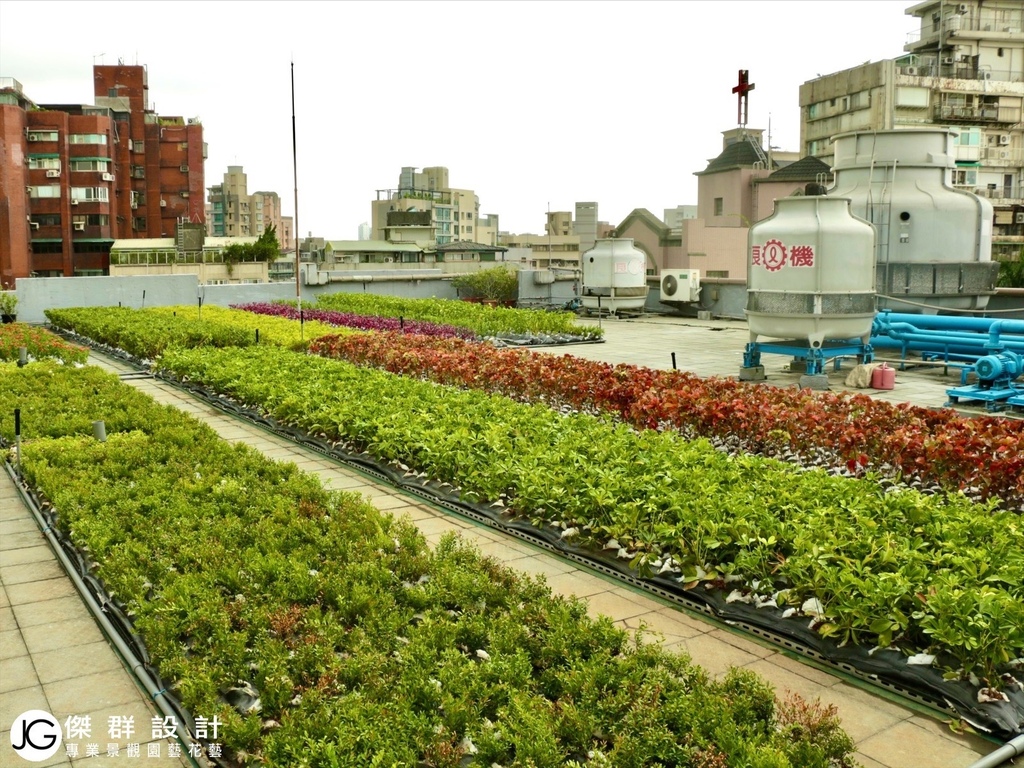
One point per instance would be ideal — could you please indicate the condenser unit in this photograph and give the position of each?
(79, 226)
(108, 177)
(53, 174)
(1018, 218)
(680, 285)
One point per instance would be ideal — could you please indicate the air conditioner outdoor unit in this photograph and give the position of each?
(680, 285)
(108, 177)
(79, 225)
(74, 202)
(1019, 218)
(184, 169)
(947, 59)
(53, 174)
(910, 70)
(184, 194)
(1004, 139)
(163, 203)
(1004, 154)
(134, 205)
(962, 8)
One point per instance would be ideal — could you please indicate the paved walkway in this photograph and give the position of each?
(42, 623)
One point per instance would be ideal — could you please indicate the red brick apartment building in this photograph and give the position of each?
(74, 178)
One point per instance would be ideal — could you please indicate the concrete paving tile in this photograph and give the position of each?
(73, 661)
(58, 634)
(5, 601)
(863, 713)
(907, 745)
(671, 624)
(23, 539)
(23, 573)
(10, 759)
(541, 565)
(577, 584)
(19, 524)
(61, 609)
(806, 670)
(784, 680)
(12, 644)
(712, 654)
(388, 501)
(91, 693)
(26, 555)
(941, 730)
(750, 646)
(13, 703)
(35, 591)
(866, 762)
(508, 550)
(619, 605)
(437, 525)
(17, 672)
(414, 512)
(7, 621)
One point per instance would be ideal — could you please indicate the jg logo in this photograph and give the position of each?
(35, 735)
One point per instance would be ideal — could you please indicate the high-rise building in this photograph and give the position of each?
(233, 212)
(963, 69)
(78, 177)
(454, 214)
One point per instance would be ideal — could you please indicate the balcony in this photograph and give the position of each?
(985, 113)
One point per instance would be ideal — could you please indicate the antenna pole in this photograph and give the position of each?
(295, 223)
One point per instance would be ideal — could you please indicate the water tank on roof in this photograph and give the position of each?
(614, 276)
(933, 249)
(810, 273)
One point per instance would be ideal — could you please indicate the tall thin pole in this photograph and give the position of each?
(295, 223)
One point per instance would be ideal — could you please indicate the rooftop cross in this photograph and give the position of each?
(741, 89)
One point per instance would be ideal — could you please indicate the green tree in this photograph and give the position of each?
(266, 248)
(1011, 272)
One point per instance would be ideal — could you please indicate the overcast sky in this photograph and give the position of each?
(529, 103)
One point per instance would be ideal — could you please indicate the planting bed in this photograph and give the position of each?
(514, 326)
(323, 632)
(39, 343)
(983, 457)
(924, 575)
(754, 540)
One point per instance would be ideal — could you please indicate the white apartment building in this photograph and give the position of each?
(963, 69)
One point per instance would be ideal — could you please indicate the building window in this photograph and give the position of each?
(100, 194)
(50, 190)
(48, 248)
(139, 223)
(469, 230)
(88, 138)
(89, 165)
(963, 177)
(138, 146)
(42, 136)
(719, 206)
(45, 220)
(49, 163)
(717, 273)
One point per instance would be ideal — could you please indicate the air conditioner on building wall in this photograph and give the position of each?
(1004, 139)
(962, 8)
(948, 60)
(184, 194)
(53, 174)
(108, 177)
(74, 202)
(910, 71)
(79, 226)
(184, 169)
(1019, 218)
(163, 203)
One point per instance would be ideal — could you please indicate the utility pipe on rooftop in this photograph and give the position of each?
(1009, 750)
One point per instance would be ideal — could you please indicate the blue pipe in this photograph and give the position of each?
(931, 322)
(994, 331)
(984, 343)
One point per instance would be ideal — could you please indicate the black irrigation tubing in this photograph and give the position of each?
(883, 668)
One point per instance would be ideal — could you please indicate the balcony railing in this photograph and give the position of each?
(976, 114)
